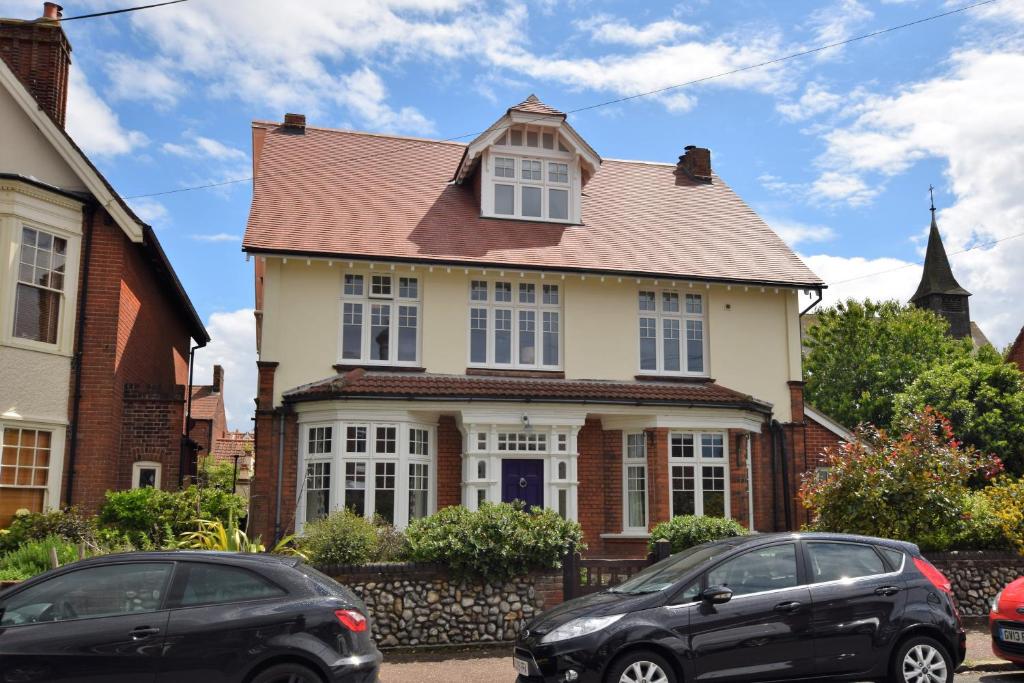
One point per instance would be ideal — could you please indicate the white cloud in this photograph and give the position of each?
(365, 94)
(142, 81)
(199, 147)
(861, 278)
(835, 186)
(795, 232)
(605, 29)
(815, 100)
(217, 237)
(151, 211)
(93, 124)
(837, 23)
(233, 346)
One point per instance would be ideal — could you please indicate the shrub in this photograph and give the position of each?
(391, 545)
(495, 542)
(215, 474)
(150, 517)
(687, 531)
(342, 537)
(33, 557)
(1005, 498)
(68, 524)
(981, 526)
(913, 486)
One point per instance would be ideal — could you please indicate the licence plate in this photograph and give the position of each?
(522, 667)
(1011, 636)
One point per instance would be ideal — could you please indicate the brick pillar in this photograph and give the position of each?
(657, 475)
(796, 400)
(263, 498)
(591, 503)
(449, 463)
(613, 503)
(739, 502)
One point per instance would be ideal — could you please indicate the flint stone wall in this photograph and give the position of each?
(977, 576)
(422, 605)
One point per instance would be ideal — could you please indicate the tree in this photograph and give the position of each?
(216, 474)
(982, 396)
(911, 484)
(860, 355)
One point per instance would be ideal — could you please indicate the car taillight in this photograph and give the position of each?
(937, 578)
(351, 619)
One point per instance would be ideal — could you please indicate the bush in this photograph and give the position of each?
(68, 524)
(688, 530)
(391, 545)
(981, 526)
(495, 542)
(913, 486)
(150, 517)
(33, 557)
(342, 537)
(1005, 498)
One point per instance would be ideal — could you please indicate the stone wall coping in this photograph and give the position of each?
(975, 556)
(420, 570)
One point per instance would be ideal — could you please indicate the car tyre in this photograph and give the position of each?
(922, 660)
(287, 673)
(641, 666)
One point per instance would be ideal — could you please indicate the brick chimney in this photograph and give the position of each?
(695, 162)
(218, 379)
(295, 123)
(39, 54)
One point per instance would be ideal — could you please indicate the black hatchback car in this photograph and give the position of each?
(185, 616)
(773, 607)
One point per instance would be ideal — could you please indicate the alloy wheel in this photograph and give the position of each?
(924, 664)
(643, 672)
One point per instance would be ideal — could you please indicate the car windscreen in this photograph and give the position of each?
(668, 572)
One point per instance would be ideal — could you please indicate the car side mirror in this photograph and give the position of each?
(716, 595)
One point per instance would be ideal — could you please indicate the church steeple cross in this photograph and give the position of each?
(931, 193)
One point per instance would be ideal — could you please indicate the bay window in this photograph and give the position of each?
(381, 470)
(699, 474)
(634, 514)
(672, 333)
(380, 320)
(516, 327)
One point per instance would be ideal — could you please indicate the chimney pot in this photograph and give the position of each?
(296, 122)
(52, 10)
(695, 162)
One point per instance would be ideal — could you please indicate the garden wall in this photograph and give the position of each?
(422, 605)
(977, 576)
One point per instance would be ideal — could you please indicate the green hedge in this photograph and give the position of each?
(687, 531)
(154, 518)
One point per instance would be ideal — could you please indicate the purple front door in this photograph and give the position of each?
(523, 480)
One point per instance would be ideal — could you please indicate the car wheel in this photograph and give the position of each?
(287, 673)
(922, 660)
(641, 666)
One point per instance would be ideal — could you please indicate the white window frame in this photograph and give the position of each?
(61, 292)
(518, 153)
(538, 307)
(51, 490)
(628, 463)
(395, 302)
(339, 457)
(699, 461)
(660, 316)
(140, 465)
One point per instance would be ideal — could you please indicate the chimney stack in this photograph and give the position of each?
(218, 379)
(39, 54)
(695, 162)
(295, 122)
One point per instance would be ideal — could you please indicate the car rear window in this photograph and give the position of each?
(836, 561)
(207, 584)
(895, 557)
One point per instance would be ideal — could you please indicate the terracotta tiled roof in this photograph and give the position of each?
(205, 403)
(359, 195)
(533, 105)
(233, 443)
(362, 383)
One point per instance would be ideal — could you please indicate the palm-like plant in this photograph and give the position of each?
(216, 535)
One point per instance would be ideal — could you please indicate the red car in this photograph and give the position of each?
(1006, 620)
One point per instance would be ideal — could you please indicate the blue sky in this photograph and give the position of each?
(836, 150)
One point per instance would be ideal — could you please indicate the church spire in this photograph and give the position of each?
(939, 290)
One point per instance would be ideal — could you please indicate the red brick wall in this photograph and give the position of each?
(1016, 354)
(40, 56)
(151, 418)
(591, 502)
(449, 463)
(659, 493)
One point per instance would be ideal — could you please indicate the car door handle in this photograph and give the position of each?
(887, 590)
(143, 632)
(789, 607)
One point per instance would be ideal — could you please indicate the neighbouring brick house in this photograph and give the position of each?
(95, 328)
(209, 422)
(517, 318)
(237, 449)
(1016, 352)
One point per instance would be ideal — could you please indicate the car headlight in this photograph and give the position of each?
(580, 627)
(995, 601)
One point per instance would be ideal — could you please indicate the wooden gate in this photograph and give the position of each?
(584, 576)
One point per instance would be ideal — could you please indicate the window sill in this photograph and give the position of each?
(536, 374)
(39, 347)
(532, 219)
(346, 367)
(693, 379)
(627, 536)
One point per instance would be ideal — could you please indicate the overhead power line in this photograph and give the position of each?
(400, 144)
(125, 10)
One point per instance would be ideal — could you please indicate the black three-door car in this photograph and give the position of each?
(185, 616)
(776, 607)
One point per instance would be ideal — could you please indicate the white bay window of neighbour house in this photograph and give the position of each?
(699, 474)
(379, 470)
(635, 482)
(39, 292)
(515, 324)
(672, 332)
(531, 176)
(380, 321)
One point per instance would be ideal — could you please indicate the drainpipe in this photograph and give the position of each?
(280, 476)
(777, 429)
(88, 215)
(188, 415)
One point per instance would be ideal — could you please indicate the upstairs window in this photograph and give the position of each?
(531, 175)
(514, 327)
(380, 319)
(671, 330)
(40, 289)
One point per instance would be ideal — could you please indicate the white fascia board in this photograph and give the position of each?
(830, 425)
